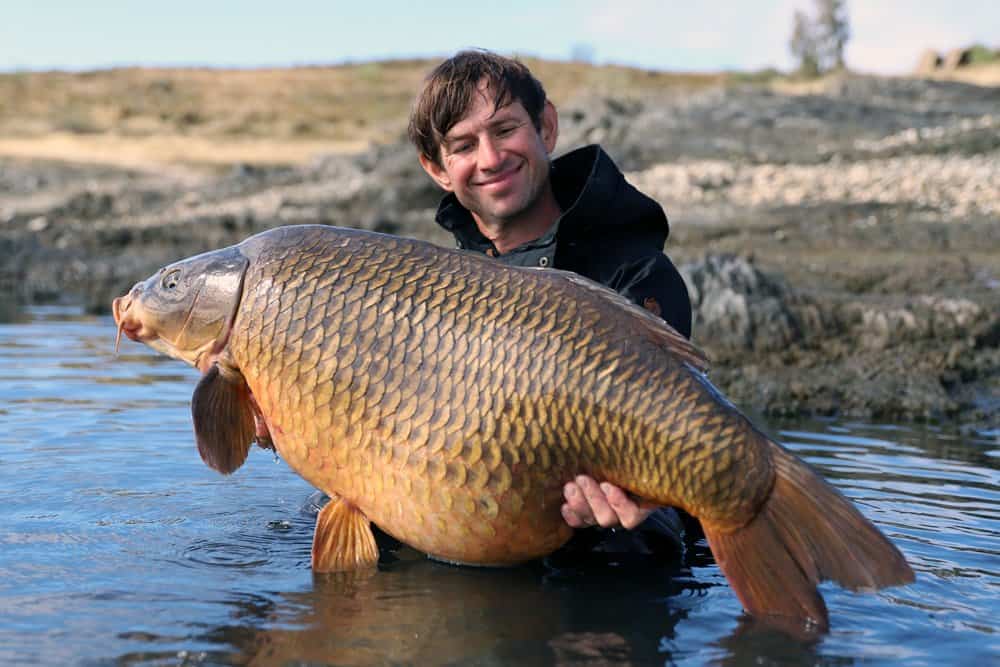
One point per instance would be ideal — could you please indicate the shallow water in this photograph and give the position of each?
(120, 547)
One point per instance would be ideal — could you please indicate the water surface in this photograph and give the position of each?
(119, 546)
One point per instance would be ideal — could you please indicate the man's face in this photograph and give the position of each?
(495, 161)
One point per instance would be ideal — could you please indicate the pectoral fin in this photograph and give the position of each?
(344, 540)
(223, 419)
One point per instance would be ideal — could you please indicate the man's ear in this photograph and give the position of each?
(436, 171)
(550, 126)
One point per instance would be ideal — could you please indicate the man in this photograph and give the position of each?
(485, 131)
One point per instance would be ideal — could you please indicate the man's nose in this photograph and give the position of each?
(489, 155)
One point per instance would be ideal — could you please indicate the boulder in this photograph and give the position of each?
(738, 308)
(957, 58)
(929, 61)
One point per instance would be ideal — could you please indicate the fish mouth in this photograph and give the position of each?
(125, 322)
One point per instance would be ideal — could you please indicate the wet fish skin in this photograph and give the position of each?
(187, 307)
(447, 398)
(432, 392)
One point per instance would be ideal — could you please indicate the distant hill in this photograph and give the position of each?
(201, 116)
(347, 106)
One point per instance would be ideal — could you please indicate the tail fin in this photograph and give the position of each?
(806, 532)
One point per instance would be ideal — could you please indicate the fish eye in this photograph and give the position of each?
(171, 280)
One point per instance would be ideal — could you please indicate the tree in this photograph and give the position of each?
(803, 44)
(818, 43)
(833, 32)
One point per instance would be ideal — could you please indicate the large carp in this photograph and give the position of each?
(447, 398)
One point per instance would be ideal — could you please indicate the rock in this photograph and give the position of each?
(880, 326)
(599, 120)
(39, 224)
(736, 307)
(948, 317)
(957, 58)
(929, 61)
(879, 329)
(87, 205)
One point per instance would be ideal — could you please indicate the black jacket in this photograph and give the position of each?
(609, 232)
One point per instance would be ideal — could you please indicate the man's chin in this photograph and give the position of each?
(502, 217)
(507, 208)
(497, 212)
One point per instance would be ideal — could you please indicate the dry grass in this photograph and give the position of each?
(987, 74)
(979, 75)
(140, 152)
(261, 115)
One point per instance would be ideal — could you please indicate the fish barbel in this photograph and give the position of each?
(448, 397)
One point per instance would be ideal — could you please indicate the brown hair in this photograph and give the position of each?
(448, 89)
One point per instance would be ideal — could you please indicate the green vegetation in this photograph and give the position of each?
(756, 77)
(983, 55)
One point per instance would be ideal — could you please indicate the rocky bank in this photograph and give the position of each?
(842, 246)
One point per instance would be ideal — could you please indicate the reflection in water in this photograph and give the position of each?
(421, 612)
(424, 613)
(120, 547)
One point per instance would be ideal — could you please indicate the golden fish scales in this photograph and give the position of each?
(432, 396)
(447, 398)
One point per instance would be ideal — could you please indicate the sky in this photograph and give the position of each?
(888, 36)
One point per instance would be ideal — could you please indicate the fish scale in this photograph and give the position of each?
(447, 398)
(517, 352)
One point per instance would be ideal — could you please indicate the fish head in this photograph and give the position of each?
(186, 310)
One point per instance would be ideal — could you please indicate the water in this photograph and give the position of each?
(118, 546)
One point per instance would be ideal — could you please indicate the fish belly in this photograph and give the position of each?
(493, 511)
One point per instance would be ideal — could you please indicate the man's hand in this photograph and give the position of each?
(590, 504)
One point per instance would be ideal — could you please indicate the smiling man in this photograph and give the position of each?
(485, 131)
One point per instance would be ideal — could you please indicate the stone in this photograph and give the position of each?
(957, 58)
(929, 61)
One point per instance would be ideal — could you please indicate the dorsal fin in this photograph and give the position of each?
(661, 332)
(222, 410)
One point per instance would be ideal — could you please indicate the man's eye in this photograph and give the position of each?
(504, 131)
(461, 148)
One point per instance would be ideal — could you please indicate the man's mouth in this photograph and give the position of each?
(499, 180)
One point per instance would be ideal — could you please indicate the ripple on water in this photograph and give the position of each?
(226, 554)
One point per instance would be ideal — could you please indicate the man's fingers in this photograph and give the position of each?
(578, 503)
(628, 511)
(590, 504)
(572, 518)
(603, 514)
(576, 511)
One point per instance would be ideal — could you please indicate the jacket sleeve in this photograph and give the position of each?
(652, 281)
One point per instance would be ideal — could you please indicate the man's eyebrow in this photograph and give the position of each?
(503, 115)
(496, 119)
(450, 138)
(448, 143)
